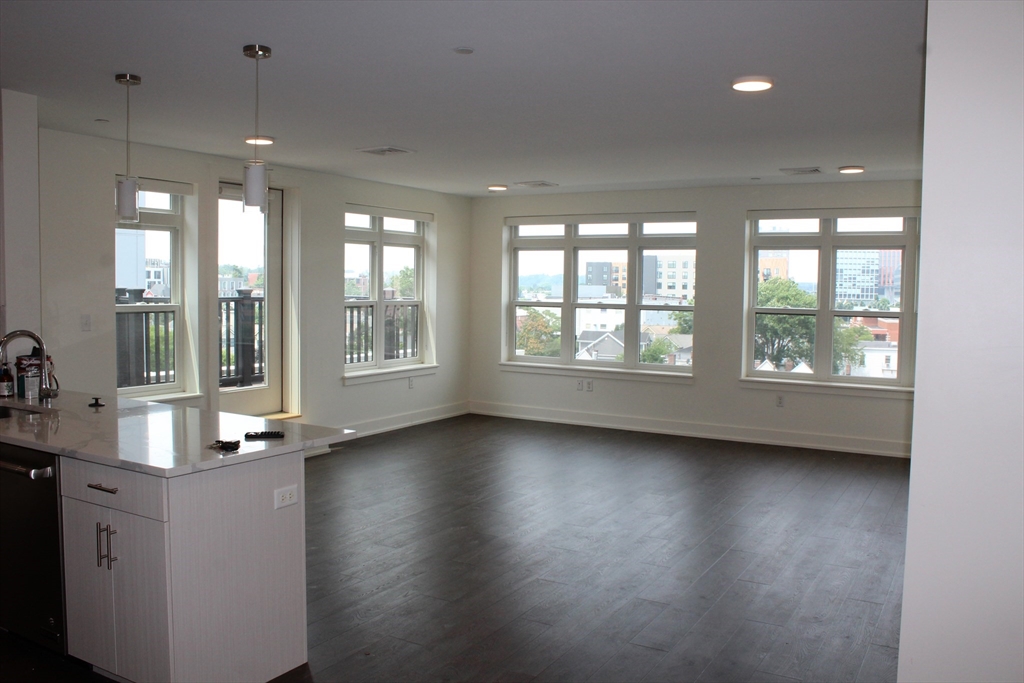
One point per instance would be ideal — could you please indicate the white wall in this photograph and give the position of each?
(963, 601)
(77, 241)
(716, 403)
(20, 290)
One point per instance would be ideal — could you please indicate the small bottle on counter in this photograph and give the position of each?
(6, 382)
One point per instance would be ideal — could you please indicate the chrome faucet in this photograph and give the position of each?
(45, 391)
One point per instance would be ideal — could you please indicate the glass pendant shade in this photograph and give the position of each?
(254, 185)
(128, 200)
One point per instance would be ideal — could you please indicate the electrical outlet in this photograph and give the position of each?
(85, 322)
(590, 385)
(410, 382)
(779, 403)
(579, 385)
(288, 495)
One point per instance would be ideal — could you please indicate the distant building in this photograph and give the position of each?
(857, 273)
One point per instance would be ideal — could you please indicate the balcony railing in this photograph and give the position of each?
(242, 339)
(145, 347)
(401, 331)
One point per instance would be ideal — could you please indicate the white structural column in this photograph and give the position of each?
(963, 605)
(20, 292)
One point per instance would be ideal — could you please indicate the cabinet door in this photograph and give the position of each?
(90, 606)
(141, 597)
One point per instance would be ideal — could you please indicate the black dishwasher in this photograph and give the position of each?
(31, 568)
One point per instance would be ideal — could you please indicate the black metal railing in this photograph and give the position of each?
(401, 331)
(145, 348)
(242, 339)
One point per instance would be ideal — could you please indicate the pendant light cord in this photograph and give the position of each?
(128, 131)
(255, 147)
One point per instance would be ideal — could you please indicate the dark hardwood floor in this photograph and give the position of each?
(482, 548)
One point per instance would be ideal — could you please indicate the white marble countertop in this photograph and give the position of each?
(154, 438)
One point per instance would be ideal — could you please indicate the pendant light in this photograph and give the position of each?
(128, 187)
(254, 177)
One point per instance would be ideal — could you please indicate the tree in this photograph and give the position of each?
(882, 304)
(781, 337)
(540, 333)
(230, 270)
(846, 348)
(684, 322)
(657, 351)
(404, 283)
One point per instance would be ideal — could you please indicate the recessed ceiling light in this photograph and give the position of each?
(260, 140)
(463, 50)
(752, 83)
(851, 169)
(101, 120)
(497, 188)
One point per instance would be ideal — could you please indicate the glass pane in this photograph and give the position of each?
(359, 333)
(868, 279)
(685, 228)
(154, 201)
(591, 229)
(538, 331)
(788, 225)
(241, 263)
(865, 346)
(784, 343)
(541, 231)
(357, 220)
(666, 337)
(888, 224)
(600, 334)
(540, 275)
(401, 331)
(787, 278)
(143, 269)
(145, 347)
(668, 276)
(400, 225)
(596, 275)
(358, 283)
(399, 272)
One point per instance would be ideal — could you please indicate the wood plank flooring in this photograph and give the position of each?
(482, 548)
(488, 549)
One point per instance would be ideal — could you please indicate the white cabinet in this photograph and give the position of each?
(205, 579)
(116, 578)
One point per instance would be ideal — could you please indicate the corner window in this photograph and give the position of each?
(831, 297)
(384, 289)
(567, 307)
(147, 296)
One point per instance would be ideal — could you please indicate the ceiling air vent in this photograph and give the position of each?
(535, 184)
(806, 170)
(385, 151)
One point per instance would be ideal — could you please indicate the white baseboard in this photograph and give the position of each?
(831, 442)
(391, 422)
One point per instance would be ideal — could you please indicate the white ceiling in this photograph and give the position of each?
(589, 94)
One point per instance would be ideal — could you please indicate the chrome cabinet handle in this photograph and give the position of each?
(101, 487)
(100, 555)
(42, 473)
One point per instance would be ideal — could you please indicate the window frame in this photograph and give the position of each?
(571, 243)
(377, 238)
(172, 222)
(828, 241)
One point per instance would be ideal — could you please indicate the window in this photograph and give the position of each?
(147, 282)
(832, 295)
(564, 310)
(384, 288)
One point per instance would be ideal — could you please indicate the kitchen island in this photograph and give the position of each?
(181, 562)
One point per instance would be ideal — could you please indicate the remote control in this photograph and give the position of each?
(250, 436)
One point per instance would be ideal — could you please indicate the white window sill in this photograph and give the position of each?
(677, 377)
(163, 398)
(839, 389)
(381, 375)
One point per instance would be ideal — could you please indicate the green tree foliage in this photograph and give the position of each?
(404, 283)
(882, 304)
(684, 322)
(781, 337)
(540, 333)
(657, 351)
(846, 348)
